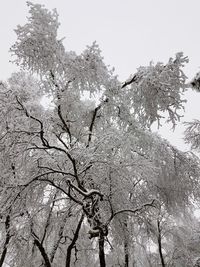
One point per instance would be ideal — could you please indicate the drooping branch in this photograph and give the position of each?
(62, 190)
(25, 186)
(151, 204)
(56, 171)
(40, 178)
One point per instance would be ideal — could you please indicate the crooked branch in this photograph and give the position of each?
(85, 193)
(130, 210)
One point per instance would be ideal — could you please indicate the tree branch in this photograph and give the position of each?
(92, 125)
(130, 81)
(85, 193)
(66, 127)
(93, 121)
(130, 210)
(48, 218)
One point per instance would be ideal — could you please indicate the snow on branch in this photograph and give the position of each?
(86, 193)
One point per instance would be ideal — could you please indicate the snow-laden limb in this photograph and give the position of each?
(156, 89)
(37, 47)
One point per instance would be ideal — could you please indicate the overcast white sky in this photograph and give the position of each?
(130, 33)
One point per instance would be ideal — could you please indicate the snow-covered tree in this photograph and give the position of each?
(80, 172)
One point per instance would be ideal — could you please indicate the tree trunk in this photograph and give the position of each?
(101, 250)
(5, 246)
(126, 253)
(71, 246)
(160, 245)
(126, 241)
(43, 253)
(60, 234)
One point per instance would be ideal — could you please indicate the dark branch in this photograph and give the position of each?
(41, 249)
(66, 127)
(84, 192)
(92, 125)
(130, 210)
(93, 121)
(73, 242)
(130, 81)
(8, 237)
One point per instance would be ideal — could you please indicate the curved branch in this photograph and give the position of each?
(61, 189)
(85, 193)
(130, 210)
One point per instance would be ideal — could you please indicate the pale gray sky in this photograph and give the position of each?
(130, 33)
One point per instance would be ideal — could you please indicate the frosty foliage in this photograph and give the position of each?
(158, 89)
(192, 134)
(37, 48)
